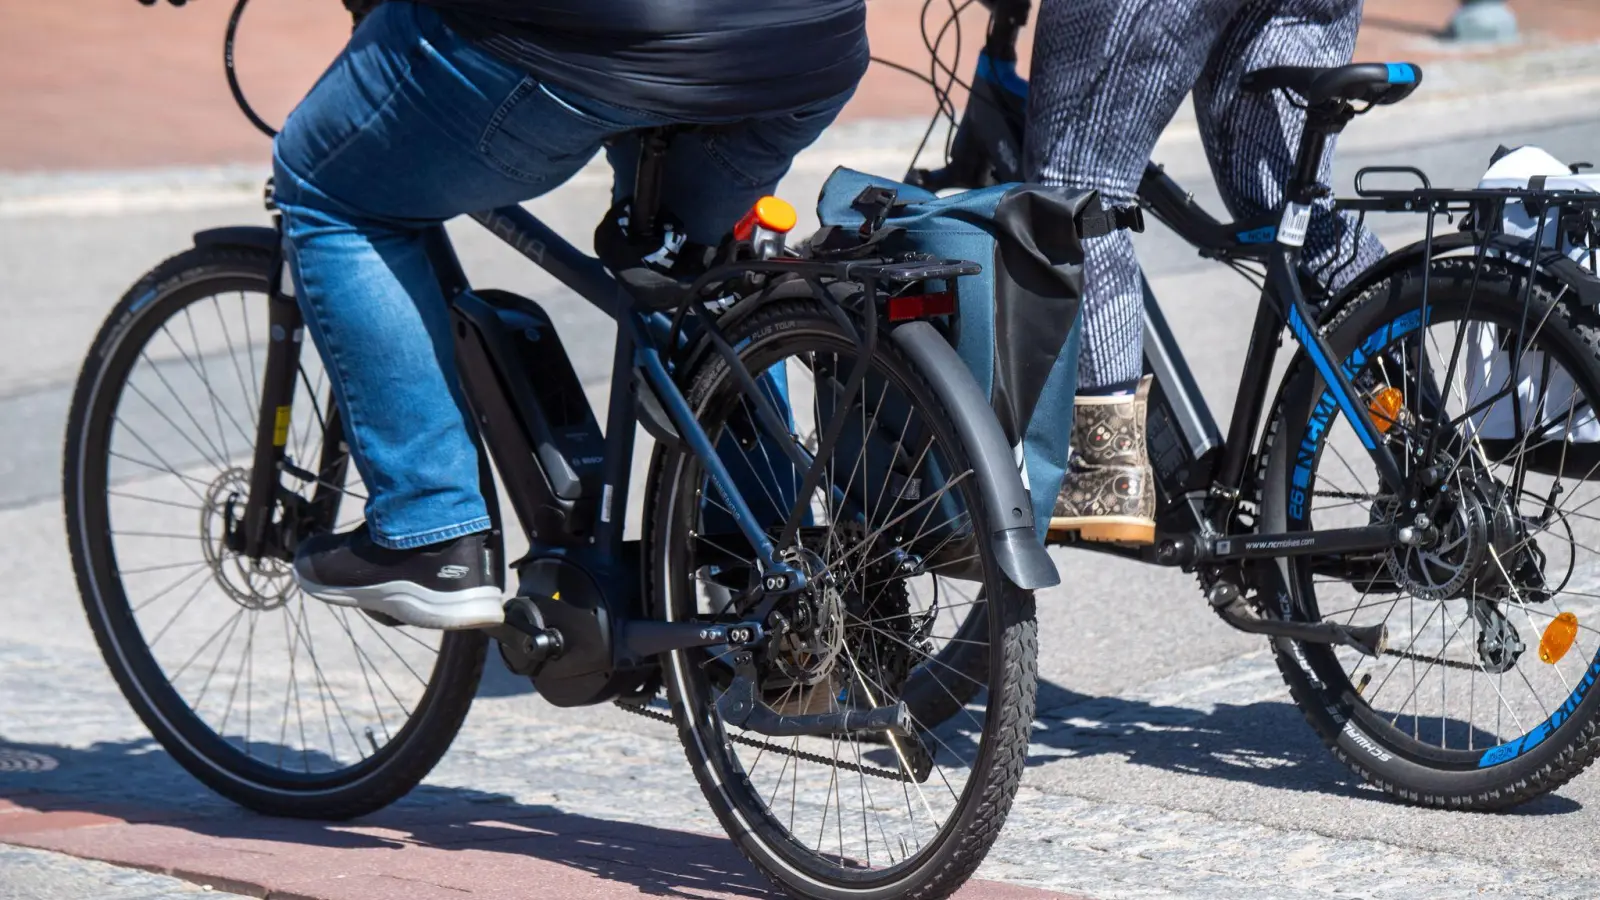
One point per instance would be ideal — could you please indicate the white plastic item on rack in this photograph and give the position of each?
(1519, 167)
(1487, 366)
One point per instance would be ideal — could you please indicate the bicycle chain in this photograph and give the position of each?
(875, 771)
(1344, 495)
(1436, 660)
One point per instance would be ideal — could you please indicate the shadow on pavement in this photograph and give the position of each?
(1268, 744)
(137, 781)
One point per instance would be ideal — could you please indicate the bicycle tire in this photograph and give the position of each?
(347, 791)
(949, 858)
(1344, 716)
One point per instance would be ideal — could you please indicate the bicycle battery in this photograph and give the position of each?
(529, 403)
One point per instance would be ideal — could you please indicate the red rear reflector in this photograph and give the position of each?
(921, 306)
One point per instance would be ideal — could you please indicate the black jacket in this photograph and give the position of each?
(698, 60)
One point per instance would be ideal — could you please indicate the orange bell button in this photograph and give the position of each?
(770, 214)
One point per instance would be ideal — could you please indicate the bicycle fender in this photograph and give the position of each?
(254, 236)
(1015, 543)
(1585, 286)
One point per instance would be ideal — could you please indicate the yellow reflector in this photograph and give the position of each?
(776, 214)
(1385, 408)
(1558, 637)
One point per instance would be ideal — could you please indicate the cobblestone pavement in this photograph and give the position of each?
(1168, 761)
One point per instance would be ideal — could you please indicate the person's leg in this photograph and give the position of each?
(1251, 139)
(409, 127)
(1107, 77)
(715, 173)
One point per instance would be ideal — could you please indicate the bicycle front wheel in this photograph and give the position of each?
(895, 540)
(272, 699)
(1485, 391)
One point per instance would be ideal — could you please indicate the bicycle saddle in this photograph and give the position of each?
(1375, 83)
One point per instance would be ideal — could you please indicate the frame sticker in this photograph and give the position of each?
(1292, 230)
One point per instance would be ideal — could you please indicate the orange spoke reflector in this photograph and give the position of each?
(1385, 408)
(1558, 638)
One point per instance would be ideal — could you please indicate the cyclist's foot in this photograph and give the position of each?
(444, 585)
(1109, 491)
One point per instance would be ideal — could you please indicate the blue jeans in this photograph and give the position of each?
(411, 126)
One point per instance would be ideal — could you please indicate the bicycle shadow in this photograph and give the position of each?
(1267, 744)
(491, 836)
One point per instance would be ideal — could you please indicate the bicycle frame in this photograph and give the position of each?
(1283, 303)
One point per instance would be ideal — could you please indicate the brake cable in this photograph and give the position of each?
(233, 76)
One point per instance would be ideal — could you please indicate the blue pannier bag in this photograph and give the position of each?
(1014, 326)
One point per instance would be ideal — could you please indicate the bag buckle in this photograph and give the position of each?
(1099, 221)
(874, 203)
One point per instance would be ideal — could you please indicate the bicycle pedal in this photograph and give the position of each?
(526, 645)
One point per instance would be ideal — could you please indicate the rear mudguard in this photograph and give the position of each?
(1016, 545)
(1585, 287)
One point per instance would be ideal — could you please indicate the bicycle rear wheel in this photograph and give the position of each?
(274, 700)
(898, 524)
(1469, 706)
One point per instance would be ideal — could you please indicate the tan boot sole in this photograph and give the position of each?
(1109, 529)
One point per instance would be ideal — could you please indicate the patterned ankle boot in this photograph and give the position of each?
(1109, 492)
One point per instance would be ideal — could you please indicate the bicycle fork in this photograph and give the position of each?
(250, 521)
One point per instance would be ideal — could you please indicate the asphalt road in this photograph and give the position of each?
(1168, 759)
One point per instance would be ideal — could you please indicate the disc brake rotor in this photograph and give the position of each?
(259, 584)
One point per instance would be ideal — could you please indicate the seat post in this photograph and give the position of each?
(644, 217)
(1322, 123)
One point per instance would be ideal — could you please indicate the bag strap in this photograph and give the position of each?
(1097, 221)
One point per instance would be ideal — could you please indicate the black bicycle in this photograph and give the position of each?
(792, 585)
(1411, 518)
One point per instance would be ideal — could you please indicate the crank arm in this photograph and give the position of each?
(742, 708)
(1189, 550)
(644, 638)
(1370, 640)
(1306, 543)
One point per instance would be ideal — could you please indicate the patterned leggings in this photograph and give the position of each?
(1107, 76)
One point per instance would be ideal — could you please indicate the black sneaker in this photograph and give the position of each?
(444, 585)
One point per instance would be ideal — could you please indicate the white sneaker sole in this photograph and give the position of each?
(416, 605)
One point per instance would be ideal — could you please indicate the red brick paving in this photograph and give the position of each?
(96, 84)
(419, 854)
